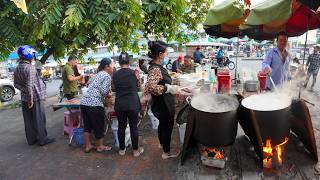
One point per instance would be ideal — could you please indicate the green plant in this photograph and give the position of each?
(66, 27)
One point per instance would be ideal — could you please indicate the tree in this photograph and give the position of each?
(75, 26)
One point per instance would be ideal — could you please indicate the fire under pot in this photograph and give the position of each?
(268, 130)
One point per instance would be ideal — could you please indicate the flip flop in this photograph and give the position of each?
(88, 150)
(105, 149)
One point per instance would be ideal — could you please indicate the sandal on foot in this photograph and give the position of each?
(138, 152)
(169, 155)
(122, 152)
(105, 149)
(88, 150)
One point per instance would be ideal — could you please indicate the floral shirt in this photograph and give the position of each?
(154, 77)
(99, 87)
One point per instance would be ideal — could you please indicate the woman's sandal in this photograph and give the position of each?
(89, 150)
(105, 149)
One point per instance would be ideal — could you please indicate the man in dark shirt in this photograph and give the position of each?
(313, 64)
(177, 65)
(198, 55)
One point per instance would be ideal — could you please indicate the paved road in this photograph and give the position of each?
(52, 89)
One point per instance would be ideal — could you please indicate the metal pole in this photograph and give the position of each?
(305, 43)
(237, 53)
(305, 47)
(236, 70)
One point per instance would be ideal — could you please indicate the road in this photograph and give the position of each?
(52, 89)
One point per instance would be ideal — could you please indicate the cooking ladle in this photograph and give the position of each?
(272, 82)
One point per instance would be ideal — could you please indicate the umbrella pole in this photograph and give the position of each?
(305, 47)
(305, 42)
(236, 70)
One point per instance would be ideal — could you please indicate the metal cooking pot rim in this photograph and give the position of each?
(189, 101)
(249, 105)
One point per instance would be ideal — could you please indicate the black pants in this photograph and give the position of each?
(166, 122)
(123, 118)
(70, 95)
(34, 122)
(94, 120)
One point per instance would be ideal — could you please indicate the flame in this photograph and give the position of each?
(219, 154)
(270, 151)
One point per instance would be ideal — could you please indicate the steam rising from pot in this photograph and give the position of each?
(217, 103)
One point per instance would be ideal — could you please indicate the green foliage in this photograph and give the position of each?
(75, 26)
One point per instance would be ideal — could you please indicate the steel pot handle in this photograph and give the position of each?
(188, 99)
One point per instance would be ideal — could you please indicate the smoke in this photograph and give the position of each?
(282, 97)
(216, 103)
(295, 90)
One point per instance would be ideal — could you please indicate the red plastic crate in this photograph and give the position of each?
(224, 82)
(262, 77)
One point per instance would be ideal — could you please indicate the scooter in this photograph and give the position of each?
(225, 62)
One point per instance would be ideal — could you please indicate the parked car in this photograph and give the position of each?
(170, 50)
(7, 90)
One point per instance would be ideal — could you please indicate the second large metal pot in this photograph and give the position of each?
(215, 129)
(271, 124)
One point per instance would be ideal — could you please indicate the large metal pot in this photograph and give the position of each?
(251, 85)
(214, 129)
(270, 124)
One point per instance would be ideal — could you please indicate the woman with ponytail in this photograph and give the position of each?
(162, 92)
(92, 106)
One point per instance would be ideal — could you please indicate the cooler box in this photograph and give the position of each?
(224, 81)
(71, 121)
(262, 80)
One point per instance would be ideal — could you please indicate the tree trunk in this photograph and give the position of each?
(46, 55)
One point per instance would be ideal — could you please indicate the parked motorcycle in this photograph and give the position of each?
(226, 62)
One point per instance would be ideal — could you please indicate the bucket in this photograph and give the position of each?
(182, 131)
(78, 136)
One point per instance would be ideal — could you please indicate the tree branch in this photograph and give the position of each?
(46, 55)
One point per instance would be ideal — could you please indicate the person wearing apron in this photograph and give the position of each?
(162, 92)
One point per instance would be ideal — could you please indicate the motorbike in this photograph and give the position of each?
(226, 62)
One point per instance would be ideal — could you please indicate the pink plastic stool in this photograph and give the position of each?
(71, 121)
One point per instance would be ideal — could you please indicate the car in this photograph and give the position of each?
(7, 90)
(170, 50)
(143, 52)
(231, 54)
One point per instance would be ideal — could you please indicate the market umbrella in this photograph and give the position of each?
(221, 39)
(294, 18)
(224, 17)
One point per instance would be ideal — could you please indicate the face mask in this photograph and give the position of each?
(165, 61)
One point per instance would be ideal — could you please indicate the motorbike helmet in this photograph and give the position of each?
(26, 52)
